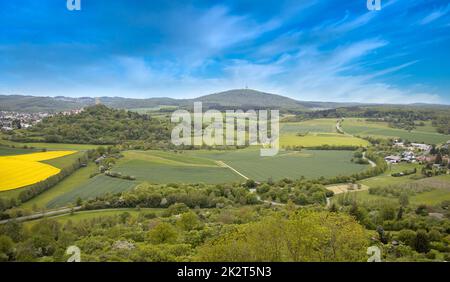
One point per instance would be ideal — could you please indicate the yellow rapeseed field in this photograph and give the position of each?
(23, 170)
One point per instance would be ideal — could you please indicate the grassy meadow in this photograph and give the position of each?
(7, 151)
(321, 139)
(440, 191)
(361, 127)
(215, 167)
(317, 132)
(74, 181)
(96, 186)
(386, 179)
(49, 146)
(89, 215)
(193, 167)
(202, 166)
(315, 125)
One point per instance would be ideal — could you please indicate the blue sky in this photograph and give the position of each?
(309, 50)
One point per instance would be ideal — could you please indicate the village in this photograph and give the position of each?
(16, 120)
(432, 157)
(10, 120)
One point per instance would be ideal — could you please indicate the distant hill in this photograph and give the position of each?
(247, 98)
(19, 103)
(238, 98)
(130, 103)
(257, 99)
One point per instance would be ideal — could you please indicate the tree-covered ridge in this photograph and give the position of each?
(96, 125)
(32, 104)
(240, 98)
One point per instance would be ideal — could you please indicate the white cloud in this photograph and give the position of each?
(303, 62)
(309, 74)
(321, 76)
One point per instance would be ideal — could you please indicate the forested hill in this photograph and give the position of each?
(247, 98)
(96, 125)
(231, 99)
(21, 103)
(236, 99)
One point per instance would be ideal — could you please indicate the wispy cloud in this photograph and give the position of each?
(435, 15)
(309, 50)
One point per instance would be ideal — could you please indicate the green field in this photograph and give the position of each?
(441, 192)
(431, 198)
(88, 215)
(361, 127)
(386, 179)
(157, 173)
(65, 161)
(321, 139)
(77, 179)
(316, 132)
(315, 125)
(197, 166)
(201, 166)
(96, 186)
(152, 109)
(8, 151)
(50, 146)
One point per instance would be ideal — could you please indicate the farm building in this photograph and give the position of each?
(392, 159)
(426, 159)
(408, 156)
(423, 147)
(446, 145)
(399, 144)
(99, 159)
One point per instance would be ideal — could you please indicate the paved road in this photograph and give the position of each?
(41, 215)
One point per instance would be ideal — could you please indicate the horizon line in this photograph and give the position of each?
(221, 92)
